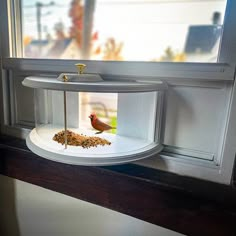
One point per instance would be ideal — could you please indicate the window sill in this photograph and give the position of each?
(171, 201)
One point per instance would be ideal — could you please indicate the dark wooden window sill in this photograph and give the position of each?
(182, 204)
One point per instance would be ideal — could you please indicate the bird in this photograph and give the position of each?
(98, 124)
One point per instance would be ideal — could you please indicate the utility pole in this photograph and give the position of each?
(89, 8)
(39, 7)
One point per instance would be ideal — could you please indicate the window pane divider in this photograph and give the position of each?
(228, 46)
(200, 71)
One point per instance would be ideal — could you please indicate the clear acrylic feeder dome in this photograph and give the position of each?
(82, 119)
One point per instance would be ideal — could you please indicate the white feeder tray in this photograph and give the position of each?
(124, 147)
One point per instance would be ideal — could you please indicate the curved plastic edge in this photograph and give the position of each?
(83, 161)
(104, 86)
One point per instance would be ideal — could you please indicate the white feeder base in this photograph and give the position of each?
(122, 149)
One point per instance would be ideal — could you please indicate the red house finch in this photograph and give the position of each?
(99, 125)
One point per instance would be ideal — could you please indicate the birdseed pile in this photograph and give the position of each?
(84, 141)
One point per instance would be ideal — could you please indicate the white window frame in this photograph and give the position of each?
(173, 73)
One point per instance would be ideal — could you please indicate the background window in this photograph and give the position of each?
(136, 30)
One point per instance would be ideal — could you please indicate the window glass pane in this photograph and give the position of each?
(134, 30)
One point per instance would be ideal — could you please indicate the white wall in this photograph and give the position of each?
(29, 210)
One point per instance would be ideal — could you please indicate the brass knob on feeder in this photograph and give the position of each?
(65, 78)
(80, 68)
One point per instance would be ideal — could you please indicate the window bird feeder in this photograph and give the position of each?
(65, 132)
